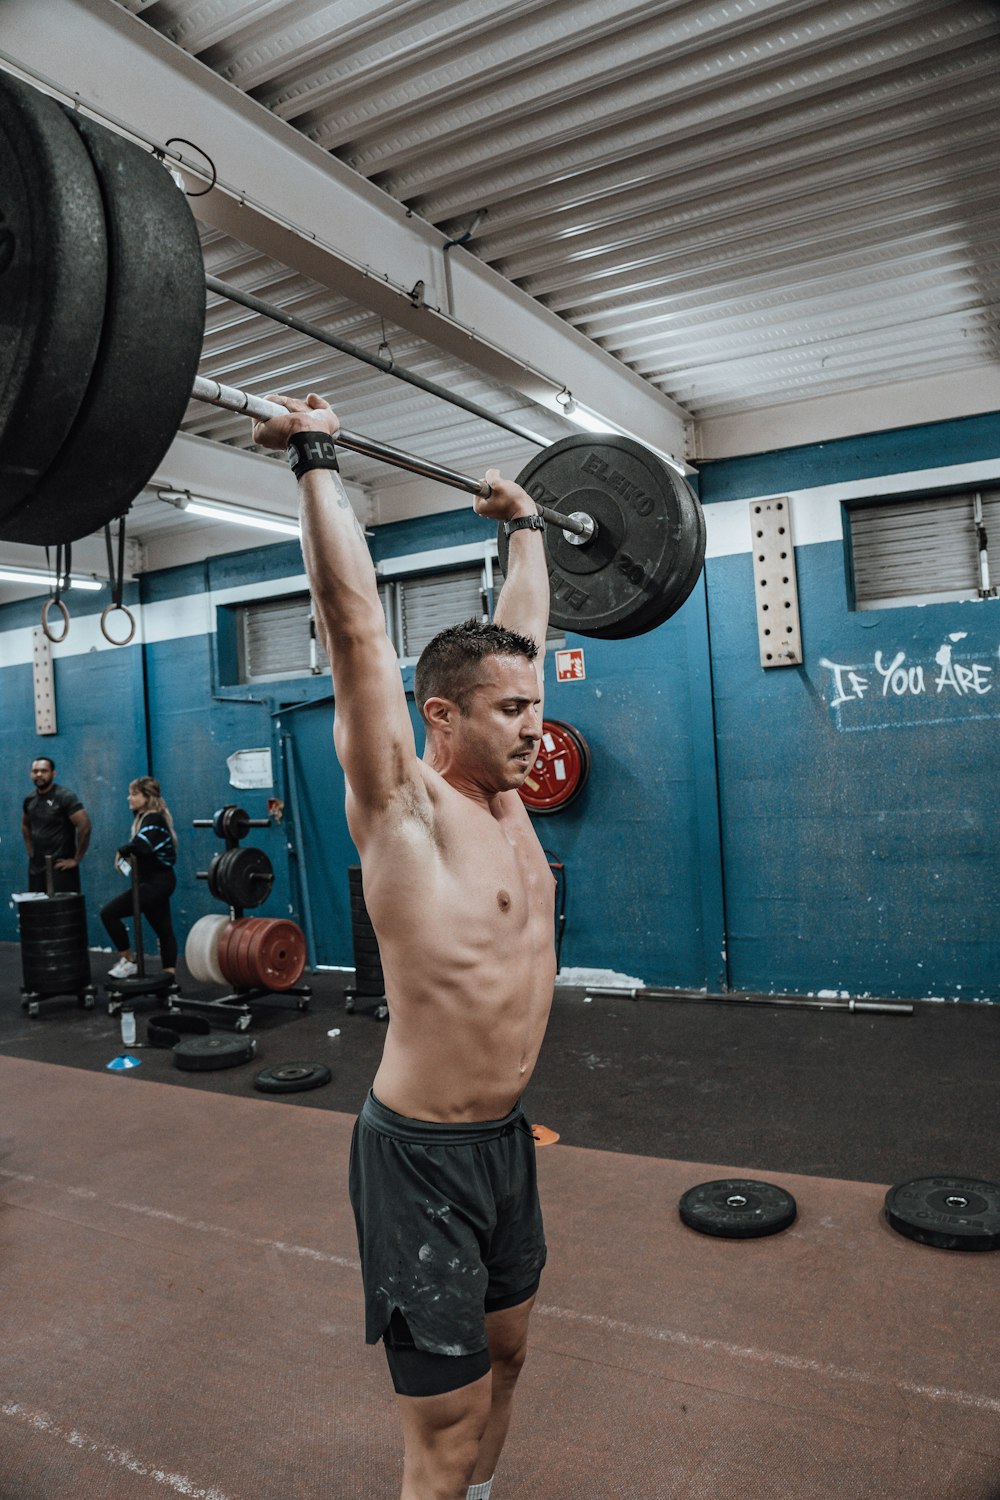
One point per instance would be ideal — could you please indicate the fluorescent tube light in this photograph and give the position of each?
(241, 517)
(214, 510)
(26, 576)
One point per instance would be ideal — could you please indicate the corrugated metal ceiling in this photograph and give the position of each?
(747, 203)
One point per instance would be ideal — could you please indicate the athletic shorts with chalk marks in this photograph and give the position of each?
(449, 1223)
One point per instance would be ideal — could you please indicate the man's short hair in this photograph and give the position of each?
(449, 664)
(36, 758)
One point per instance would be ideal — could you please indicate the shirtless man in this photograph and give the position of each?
(461, 897)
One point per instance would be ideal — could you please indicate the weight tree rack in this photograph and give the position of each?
(237, 876)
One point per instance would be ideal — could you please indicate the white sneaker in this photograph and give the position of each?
(123, 969)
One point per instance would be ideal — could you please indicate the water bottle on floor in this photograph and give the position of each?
(128, 1028)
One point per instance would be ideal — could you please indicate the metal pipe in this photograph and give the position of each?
(231, 399)
(296, 851)
(386, 367)
(797, 1002)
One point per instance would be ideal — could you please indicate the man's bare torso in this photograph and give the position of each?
(461, 897)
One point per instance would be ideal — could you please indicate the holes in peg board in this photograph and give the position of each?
(776, 593)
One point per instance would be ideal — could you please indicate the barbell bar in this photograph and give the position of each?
(258, 407)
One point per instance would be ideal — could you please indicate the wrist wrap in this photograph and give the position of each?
(310, 450)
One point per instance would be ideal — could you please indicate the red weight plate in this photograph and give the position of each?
(228, 954)
(279, 954)
(560, 770)
(243, 963)
(223, 954)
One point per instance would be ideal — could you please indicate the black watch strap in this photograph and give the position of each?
(524, 523)
(310, 450)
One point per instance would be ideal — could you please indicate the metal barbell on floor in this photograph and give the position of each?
(105, 279)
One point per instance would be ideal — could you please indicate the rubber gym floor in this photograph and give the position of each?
(181, 1310)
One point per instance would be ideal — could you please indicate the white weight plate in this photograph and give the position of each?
(201, 951)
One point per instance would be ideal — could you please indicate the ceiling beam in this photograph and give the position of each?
(282, 194)
(910, 403)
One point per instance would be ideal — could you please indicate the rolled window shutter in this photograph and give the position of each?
(275, 637)
(432, 604)
(915, 549)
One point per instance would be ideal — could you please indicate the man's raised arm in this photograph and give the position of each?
(523, 604)
(372, 729)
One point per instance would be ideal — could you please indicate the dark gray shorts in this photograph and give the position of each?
(448, 1221)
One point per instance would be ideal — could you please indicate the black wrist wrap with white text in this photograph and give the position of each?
(311, 450)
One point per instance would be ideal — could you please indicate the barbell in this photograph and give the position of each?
(102, 294)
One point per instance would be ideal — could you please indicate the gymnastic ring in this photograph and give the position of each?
(55, 639)
(110, 609)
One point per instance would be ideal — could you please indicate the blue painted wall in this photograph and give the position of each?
(797, 829)
(860, 835)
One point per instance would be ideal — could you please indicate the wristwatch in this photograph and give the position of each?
(524, 523)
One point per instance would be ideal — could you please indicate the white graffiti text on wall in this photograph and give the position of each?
(893, 678)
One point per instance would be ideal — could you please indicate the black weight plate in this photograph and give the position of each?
(53, 283)
(235, 823)
(244, 877)
(951, 1213)
(141, 984)
(167, 1031)
(292, 1077)
(638, 565)
(737, 1208)
(214, 866)
(150, 344)
(659, 610)
(202, 1054)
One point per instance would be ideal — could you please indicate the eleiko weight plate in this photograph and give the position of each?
(737, 1208)
(950, 1213)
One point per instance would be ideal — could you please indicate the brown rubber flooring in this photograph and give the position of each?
(181, 1316)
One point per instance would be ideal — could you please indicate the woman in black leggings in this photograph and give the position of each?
(153, 846)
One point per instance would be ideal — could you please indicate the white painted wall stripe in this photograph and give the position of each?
(816, 513)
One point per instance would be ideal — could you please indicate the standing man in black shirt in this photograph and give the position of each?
(53, 822)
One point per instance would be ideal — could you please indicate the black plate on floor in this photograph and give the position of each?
(167, 1030)
(292, 1077)
(737, 1208)
(951, 1213)
(202, 1054)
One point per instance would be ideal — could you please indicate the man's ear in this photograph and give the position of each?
(439, 713)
